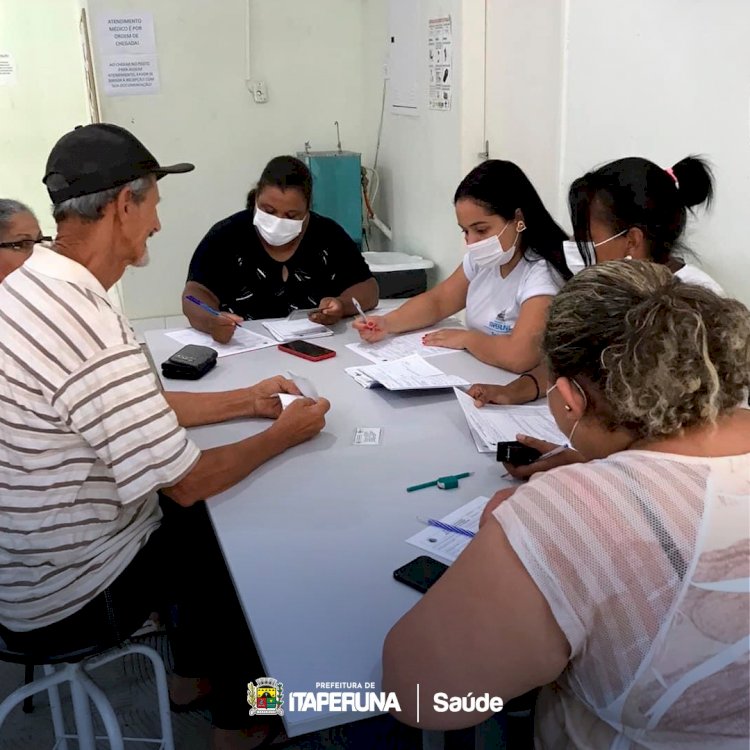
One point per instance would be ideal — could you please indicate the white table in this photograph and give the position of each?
(312, 538)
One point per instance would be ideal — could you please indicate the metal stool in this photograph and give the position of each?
(74, 669)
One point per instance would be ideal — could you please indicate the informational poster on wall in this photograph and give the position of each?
(440, 51)
(7, 69)
(128, 61)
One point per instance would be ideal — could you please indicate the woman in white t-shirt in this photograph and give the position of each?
(629, 208)
(622, 584)
(512, 269)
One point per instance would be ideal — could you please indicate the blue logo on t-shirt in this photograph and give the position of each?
(500, 326)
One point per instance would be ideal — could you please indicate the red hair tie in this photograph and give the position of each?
(671, 173)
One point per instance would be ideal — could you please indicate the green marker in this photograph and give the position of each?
(449, 482)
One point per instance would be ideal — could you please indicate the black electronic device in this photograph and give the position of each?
(189, 363)
(516, 454)
(420, 573)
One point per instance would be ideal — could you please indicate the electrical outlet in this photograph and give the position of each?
(260, 92)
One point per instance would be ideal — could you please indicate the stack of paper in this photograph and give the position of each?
(407, 374)
(361, 376)
(447, 545)
(398, 347)
(289, 330)
(243, 340)
(491, 425)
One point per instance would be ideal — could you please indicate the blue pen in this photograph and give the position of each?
(448, 527)
(204, 306)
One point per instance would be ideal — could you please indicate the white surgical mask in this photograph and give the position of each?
(569, 444)
(579, 258)
(276, 231)
(489, 252)
(575, 260)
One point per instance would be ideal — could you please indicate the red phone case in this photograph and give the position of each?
(308, 357)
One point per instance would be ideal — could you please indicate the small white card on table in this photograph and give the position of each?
(368, 435)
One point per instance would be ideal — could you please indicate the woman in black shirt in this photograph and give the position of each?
(274, 257)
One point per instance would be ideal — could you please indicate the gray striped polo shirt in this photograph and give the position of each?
(86, 438)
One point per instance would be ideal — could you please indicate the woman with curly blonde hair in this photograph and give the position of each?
(622, 583)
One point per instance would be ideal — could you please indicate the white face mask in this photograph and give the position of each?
(569, 444)
(490, 252)
(576, 261)
(276, 231)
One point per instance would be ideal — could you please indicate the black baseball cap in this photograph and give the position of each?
(97, 157)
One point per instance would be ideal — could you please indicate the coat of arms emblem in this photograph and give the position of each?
(265, 697)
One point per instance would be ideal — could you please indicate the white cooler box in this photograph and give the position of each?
(399, 275)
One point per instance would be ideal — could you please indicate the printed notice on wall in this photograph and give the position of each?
(7, 69)
(127, 49)
(126, 33)
(130, 74)
(440, 51)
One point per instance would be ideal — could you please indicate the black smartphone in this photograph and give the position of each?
(516, 454)
(306, 350)
(420, 573)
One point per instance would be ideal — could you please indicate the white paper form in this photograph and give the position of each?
(360, 375)
(289, 330)
(397, 347)
(447, 545)
(243, 340)
(408, 374)
(493, 424)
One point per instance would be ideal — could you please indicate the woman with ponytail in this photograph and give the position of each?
(632, 208)
(627, 209)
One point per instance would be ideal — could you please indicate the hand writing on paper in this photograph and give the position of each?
(331, 310)
(450, 338)
(372, 330)
(223, 326)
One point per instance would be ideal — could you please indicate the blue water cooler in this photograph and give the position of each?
(337, 188)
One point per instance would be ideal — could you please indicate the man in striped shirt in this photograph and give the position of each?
(87, 438)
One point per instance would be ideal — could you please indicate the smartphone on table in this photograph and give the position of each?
(420, 573)
(306, 350)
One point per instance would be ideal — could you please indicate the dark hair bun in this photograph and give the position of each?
(696, 181)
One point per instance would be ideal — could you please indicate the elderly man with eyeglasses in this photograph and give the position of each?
(19, 232)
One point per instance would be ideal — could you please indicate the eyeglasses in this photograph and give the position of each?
(25, 246)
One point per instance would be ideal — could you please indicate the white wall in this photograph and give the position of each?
(423, 158)
(570, 84)
(525, 88)
(575, 83)
(663, 80)
(48, 99)
(310, 55)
